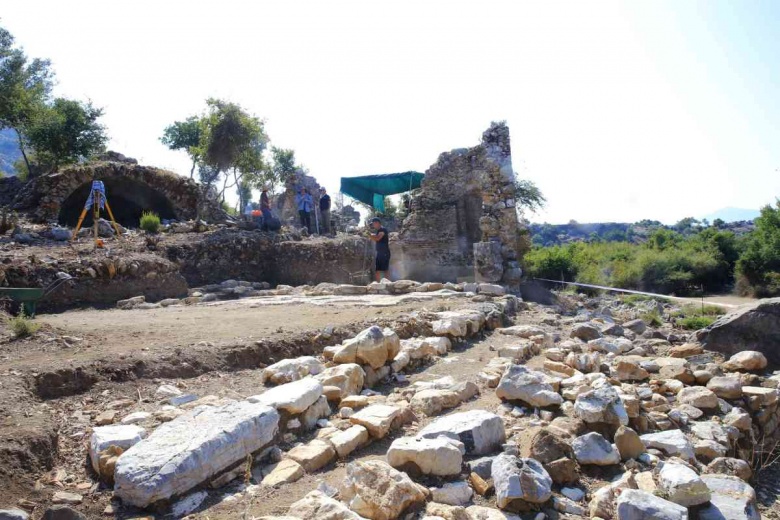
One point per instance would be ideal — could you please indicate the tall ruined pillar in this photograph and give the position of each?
(496, 256)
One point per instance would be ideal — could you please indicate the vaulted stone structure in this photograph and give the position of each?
(131, 189)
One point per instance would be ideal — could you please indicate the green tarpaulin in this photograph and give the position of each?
(372, 189)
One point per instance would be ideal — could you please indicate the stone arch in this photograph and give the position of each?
(131, 189)
(127, 197)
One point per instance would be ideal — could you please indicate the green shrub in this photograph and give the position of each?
(150, 222)
(22, 326)
(653, 319)
(696, 322)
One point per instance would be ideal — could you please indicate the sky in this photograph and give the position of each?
(618, 110)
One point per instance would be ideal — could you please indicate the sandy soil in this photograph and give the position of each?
(128, 332)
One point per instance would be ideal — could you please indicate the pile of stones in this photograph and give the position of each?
(663, 427)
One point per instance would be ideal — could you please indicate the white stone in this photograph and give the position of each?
(183, 453)
(671, 442)
(372, 346)
(488, 513)
(480, 431)
(440, 456)
(167, 391)
(746, 360)
(376, 418)
(318, 506)
(523, 479)
(593, 448)
(375, 490)
(602, 405)
(294, 397)
(520, 383)
(731, 499)
(682, 485)
(349, 440)
(456, 327)
(136, 417)
(699, 397)
(633, 504)
(120, 435)
(313, 414)
(491, 289)
(288, 370)
(452, 493)
(348, 377)
(575, 494)
(188, 504)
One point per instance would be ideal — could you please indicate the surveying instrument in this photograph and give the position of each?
(97, 200)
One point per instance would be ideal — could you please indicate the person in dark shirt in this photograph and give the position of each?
(380, 236)
(265, 203)
(325, 211)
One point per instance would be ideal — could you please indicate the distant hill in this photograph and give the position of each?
(557, 234)
(733, 214)
(9, 151)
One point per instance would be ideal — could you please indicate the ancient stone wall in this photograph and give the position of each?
(270, 257)
(462, 223)
(130, 189)
(98, 280)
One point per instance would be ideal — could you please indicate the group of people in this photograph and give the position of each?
(305, 204)
(378, 234)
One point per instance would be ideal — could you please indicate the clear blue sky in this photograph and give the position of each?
(618, 110)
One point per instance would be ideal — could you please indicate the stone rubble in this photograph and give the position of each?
(669, 421)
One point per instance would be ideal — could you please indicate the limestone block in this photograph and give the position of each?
(480, 431)
(183, 453)
(439, 456)
(376, 418)
(292, 397)
(122, 436)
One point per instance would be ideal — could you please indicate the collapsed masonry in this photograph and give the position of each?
(463, 222)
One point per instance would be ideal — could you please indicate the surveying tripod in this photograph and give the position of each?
(97, 199)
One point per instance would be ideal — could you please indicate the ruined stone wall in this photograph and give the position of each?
(285, 202)
(463, 224)
(44, 197)
(99, 281)
(270, 257)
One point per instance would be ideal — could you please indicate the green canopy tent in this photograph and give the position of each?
(372, 189)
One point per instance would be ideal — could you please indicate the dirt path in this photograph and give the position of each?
(114, 332)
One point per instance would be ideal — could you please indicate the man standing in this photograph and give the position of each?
(382, 248)
(305, 204)
(265, 204)
(325, 211)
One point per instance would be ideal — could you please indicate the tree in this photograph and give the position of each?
(528, 195)
(25, 86)
(185, 135)
(66, 132)
(758, 267)
(282, 167)
(232, 142)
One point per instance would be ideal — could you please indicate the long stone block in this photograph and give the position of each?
(182, 453)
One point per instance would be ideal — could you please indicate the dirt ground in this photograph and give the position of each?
(107, 346)
(96, 353)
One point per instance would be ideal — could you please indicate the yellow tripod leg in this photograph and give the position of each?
(78, 225)
(113, 221)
